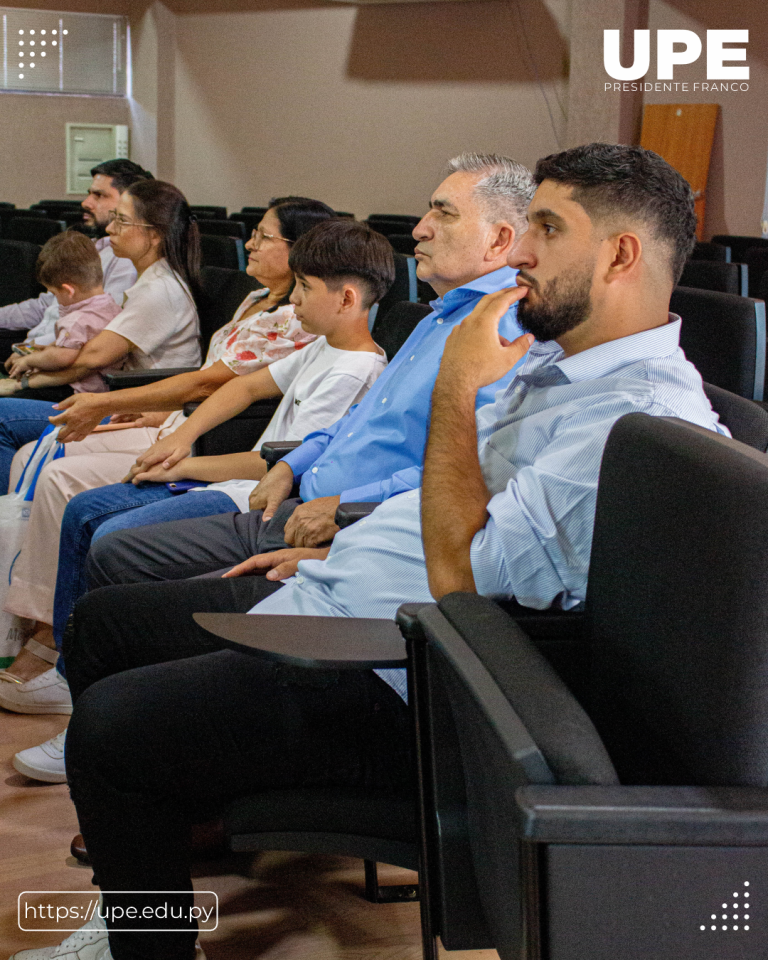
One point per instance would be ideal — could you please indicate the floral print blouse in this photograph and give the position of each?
(263, 337)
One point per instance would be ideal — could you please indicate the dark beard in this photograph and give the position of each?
(563, 305)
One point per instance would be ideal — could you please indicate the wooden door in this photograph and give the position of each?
(683, 134)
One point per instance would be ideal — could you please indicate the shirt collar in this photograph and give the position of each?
(82, 304)
(606, 358)
(489, 283)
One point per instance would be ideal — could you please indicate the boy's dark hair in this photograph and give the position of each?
(122, 172)
(612, 180)
(70, 257)
(341, 250)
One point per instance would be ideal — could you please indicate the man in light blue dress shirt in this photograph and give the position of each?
(507, 507)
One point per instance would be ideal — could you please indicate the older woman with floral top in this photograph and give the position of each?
(264, 328)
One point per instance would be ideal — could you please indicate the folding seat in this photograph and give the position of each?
(226, 252)
(388, 227)
(629, 819)
(9, 213)
(402, 243)
(345, 214)
(711, 251)
(209, 212)
(261, 210)
(33, 229)
(716, 275)
(739, 244)
(724, 336)
(402, 217)
(249, 221)
(223, 228)
(756, 260)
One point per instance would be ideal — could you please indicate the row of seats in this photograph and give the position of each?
(731, 264)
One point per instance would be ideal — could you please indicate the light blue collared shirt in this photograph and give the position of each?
(377, 450)
(540, 445)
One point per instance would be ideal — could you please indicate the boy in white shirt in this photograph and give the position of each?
(335, 265)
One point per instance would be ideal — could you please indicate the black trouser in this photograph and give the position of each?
(167, 727)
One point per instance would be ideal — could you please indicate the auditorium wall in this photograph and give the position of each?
(361, 105)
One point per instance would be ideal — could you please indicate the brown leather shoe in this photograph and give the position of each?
(206, 842)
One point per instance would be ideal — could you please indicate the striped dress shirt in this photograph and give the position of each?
(540, 445)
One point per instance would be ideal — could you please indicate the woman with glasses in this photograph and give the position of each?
(264, 328)
(158, 325)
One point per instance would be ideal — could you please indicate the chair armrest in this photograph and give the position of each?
(679, 816)
(236, 435)
(141, 378)
(349, 513)
(276, 450)
(256, 411)
(326, 643)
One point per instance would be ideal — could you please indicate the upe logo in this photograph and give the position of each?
(677, 47)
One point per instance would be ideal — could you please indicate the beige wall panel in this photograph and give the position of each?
(737, 173)
(358, 106)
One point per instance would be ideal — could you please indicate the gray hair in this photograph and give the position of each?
(504, 191)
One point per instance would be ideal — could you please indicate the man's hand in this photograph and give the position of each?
(277, 565)
(475, 353)
(82, 412)
(312, 523)
(272, 490)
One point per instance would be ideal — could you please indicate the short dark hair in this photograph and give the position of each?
(299, 214)
(70, 257)
(341, 250)
(122, 172)
(610, 179)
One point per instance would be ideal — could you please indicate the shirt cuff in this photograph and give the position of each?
(508, 559)
(302, 458)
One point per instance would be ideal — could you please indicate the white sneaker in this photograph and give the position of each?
(46, 693)
(90, 942)
(44, 762)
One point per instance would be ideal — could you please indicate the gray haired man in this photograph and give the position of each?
(475, 216)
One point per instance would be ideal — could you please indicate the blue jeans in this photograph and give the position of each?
(21, 421)
(116, 507)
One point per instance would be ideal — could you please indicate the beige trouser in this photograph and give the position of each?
(100, 459)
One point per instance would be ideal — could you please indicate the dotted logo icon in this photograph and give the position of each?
(733, 916)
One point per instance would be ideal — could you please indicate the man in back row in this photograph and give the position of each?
(508, 509)
(39, 314)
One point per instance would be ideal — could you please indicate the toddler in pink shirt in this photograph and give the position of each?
(69, 267)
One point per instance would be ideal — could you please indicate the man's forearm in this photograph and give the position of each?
(454, 494)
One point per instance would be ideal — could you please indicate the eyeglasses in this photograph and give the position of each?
(121, 222)
(258, 236)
